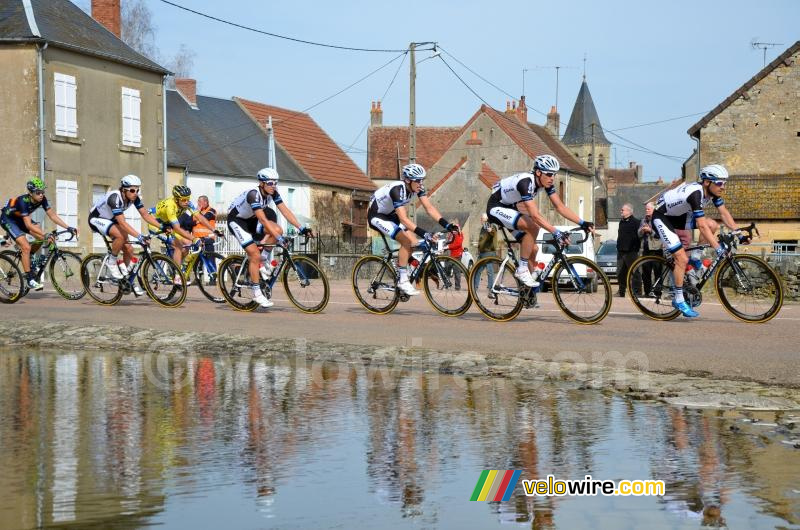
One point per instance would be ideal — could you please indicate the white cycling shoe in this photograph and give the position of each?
(137, 289)
(407, 288)
(525, 276)
(113, 268)
(260, 299)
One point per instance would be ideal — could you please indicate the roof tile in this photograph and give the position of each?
(384, 142)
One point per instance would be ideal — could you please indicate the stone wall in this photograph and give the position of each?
(339, 266)
(788, 268)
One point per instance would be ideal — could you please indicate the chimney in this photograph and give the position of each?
(376, 115)
(188, 89)
(107, 12)
(639, 172)
(553, 122)
(522, 111)
(510, 110)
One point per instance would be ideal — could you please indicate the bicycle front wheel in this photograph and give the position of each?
(205, 276)
(65, 273)
(234, 283)
(306, 284)
(444, 280)
(11, 281)
(581, 290)
(494, 289)
(97, 280)
(375, 285)
(159, 274)
(749, 289)
(656, 303)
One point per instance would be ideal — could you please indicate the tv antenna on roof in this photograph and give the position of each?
(763, 46)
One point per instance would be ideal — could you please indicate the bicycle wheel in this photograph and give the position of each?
(584, 299)
(498, 299)
(65, 269)
(157, 274)
(749, 289)
(238, 292)
(657, 302)
(306, 285)
(444, 281)
(375, 285)
(11, 281)
(97, 280)
(204, 271)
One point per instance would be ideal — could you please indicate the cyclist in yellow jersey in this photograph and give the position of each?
(167, 213)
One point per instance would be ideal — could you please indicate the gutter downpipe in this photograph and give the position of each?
(164, 133)
(40, 69)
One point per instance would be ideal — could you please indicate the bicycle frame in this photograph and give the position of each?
(286, 261)
(427, 255)
(146, 255)
(52, 252)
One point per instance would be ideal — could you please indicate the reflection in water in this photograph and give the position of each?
(198, 441)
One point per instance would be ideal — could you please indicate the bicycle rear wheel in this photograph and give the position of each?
(158, 274)
(11, 281)
(237, 291)
(444, 281)
(749, 289)
(205, 275)
(657, 302)
(498, 299)
(306, 285)
(581, 290)
(65, 273)
(375, 285)
(97, 280)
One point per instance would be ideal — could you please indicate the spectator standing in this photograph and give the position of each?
(455, 247)
(487, 246)
(204, 208)
(628, 244)
(651, 246)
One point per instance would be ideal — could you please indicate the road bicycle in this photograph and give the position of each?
(746, 285)
(375, 280)
(200, 265)
(62, 266)
(581, 290)
(303, 279)
(161, 278)
(11, 278)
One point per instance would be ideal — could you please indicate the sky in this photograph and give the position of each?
(645, 61)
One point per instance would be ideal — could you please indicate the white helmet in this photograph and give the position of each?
(546, 163)
(267, 173)
(714, 172)
(414, 172)
(130, 180)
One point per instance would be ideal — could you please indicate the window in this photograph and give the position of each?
(601, 161)
(218, 192)
(66, 97)
(131, 117)
(784, 246)
(134, 218)
(67, 206)
(589, 161)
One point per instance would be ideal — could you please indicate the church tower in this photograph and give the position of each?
(584, 131)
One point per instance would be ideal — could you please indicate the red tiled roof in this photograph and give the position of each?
(383, 144)
(309, 146)
(488, 176)
(622, 175)
(449, 174)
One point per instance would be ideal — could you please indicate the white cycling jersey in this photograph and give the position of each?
(391, 196)
(247, 202)
(112, 204)
(686, 198)
(518, 188)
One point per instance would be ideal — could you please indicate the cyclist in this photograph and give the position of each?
(16, 220)
(387, 214)
(681, 208)
(107, 217)
(251, 209)
(512, 205)
(168, 213)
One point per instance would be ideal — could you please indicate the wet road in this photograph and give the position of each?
(715, 345)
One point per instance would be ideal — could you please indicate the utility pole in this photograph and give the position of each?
(594, 162)
(412, 113)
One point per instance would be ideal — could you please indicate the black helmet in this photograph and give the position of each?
(181, 192)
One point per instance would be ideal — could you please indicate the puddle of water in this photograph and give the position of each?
(92, 438)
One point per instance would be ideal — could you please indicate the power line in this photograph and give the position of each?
(659, 121)
(270, 34)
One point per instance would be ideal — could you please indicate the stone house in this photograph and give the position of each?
(755, 134)
(80, 107)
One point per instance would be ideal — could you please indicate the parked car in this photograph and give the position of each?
(607, 258)
(585, 249)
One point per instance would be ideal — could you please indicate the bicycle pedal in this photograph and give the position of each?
(404, 297)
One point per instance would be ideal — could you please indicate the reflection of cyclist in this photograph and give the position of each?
(16, 220)
(682, 208)
(387, 214)
(512, 205)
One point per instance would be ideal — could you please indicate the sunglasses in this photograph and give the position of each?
(720, 183)
(37, 192)
(271, 183)
(548, 174)
(132, 190)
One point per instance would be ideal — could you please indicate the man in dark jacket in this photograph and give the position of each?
(628, 244)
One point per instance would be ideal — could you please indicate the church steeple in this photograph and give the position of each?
(589, 144)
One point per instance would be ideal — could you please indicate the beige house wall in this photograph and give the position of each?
(582, 152)
(175, 176)
(19, 117)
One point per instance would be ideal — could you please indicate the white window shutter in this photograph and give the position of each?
(60, 91)
(136, 115)
(66, 103)
(72, 107)
(126, 125)
(131, 117)
(67, 206)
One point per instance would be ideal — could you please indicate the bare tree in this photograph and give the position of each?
(182, 63)
(138, 28)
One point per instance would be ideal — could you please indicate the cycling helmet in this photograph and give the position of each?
(130, 180)
(714, 172)
(546, 164)
(181, 192)
(414, 172)
(267, 173)
(35, 184)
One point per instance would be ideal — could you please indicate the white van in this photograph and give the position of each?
(585, 249)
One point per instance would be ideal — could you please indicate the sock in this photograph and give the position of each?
(403, 272)
(29, 275)
(523, 264)
(679, 295)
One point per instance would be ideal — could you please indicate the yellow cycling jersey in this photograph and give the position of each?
(168, 210)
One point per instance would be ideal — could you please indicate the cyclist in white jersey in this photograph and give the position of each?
(387, 214)
(512, 205)
(252, 210)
